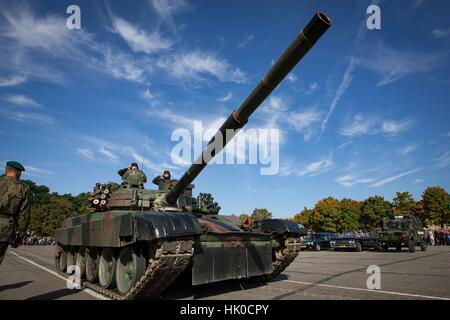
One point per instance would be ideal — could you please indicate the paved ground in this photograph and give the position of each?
(27, 273)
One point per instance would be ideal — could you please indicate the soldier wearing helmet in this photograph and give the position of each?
(163, 180)
(133, 177)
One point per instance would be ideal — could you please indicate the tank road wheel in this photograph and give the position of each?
(411, 246)
(71, 259)
(130, 268)
(81, 261)
(61, 258)
(423, 245)
(107, 268)
(92, 260)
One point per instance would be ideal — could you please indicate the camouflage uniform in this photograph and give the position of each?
(162, 183)
(14, 211)
(133, 179)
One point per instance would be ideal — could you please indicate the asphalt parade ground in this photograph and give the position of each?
(28, 273)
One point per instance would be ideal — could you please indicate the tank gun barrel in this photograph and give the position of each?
(305, 40)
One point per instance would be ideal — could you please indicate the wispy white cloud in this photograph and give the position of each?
(57, 44)
(291, 167)
(305, 121)
(439, 33)
(443, 160)
(417, 4)
(22, 100)
(121, 66)
(343, 145)
(408, 149)
(292, 77)
(343, 86)
(12, 81)
(86, 153)
(32, 118)
(226, 98)
(392, 64)
(139, 40)
(109, 154)
(166, 9)
(317, 167)
(313, 87)
(370, 124)
(39, 172)
(395, 127)
(198, 65)
(247, 39)
(149, 96)
(171, 116)
(359, 125)
(393, 178)
(156, 167)
(351, 180)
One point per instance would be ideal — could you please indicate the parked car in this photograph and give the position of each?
(356, 243)
(317, 241)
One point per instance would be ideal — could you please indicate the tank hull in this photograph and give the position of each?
(223, 254)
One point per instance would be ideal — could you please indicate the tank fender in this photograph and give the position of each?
(155, 225)
(279, 226)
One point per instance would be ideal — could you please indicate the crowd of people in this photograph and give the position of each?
(353, 233)
(32, 238)
(438, 237)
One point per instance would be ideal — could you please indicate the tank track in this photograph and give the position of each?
(284, 255)
(169, 261)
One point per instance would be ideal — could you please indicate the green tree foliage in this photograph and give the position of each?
(373, 210)
(304, 217)
(436, 202)
(261, 214)
(45, 217)
(326, 215)
(404, 204)
(49, 209)
(350, 215)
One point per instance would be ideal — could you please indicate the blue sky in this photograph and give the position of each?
(366, 112)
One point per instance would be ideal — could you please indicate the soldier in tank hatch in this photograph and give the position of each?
(14, 207)
(132, 176)
(163, 180)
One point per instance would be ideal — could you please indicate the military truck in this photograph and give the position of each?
(139, 241)
(403, 231)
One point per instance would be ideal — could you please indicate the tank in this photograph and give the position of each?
(138, 241)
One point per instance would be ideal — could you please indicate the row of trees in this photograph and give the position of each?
(333, 215)
(329, 214)
(49, 209)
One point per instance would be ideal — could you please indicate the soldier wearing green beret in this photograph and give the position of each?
(14, 207)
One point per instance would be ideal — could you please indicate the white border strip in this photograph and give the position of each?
(368, 290)
(86, 290)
